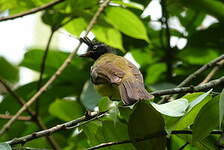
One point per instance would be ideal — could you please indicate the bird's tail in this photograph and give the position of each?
(131, 92)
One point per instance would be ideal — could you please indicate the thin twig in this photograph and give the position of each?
(162, 133)
(34, 118)
(44, 59)
(22, 118)
(213, 72)
(29, 148)
(17, 97)
(200, 70)
(190, 89)
(58, 72)
(32, 11)
(42, 68)
(68, 125)
(195, 74)
(169, 50)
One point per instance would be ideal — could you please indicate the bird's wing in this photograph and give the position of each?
(136, 72)
(106, 72)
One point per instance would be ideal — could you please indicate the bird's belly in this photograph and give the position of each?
(108, 90)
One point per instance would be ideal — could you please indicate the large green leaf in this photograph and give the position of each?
(198, 56)
(76, 26)
(89, 96)
(202, 127)
(189, 118)
(127, 22)
(5, 146)
(198, 100)
(144, 58)
(129, 4)
(82, 4)
(174, 108)
(154, 72)
(106, 131)
(110, 36)
(214, 7)
(145, 122)
(221, 108)
(66, 110)
(53, 18)
(75, 72)
(8, 71)
(104, 104)
(209, 38)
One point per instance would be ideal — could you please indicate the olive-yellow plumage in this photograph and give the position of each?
(114, 76)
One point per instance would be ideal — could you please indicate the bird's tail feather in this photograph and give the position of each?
(131, 92)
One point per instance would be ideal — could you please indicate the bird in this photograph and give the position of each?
(114, 76)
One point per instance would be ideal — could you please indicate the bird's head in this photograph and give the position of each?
(95, 49)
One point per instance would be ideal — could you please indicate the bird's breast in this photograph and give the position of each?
(108, 90)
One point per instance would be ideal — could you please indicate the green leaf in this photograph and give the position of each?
(53, 18)
(82, 4)
(144, 122)
(110, 36)
(127, 22)
(189, 117)
(211, 7)
(154, 72)
(104, 104)
(76, 26)
(66, 110)
(5, 146)
(198, 56)
(198, 100)
(174, 108)
(221, 108)
(143, 58)
(8, 71)
(89, 96)
(202, 127)
(129, 4)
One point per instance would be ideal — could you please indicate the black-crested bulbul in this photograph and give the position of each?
(114, 76)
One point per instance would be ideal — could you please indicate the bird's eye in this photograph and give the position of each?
(94, 47)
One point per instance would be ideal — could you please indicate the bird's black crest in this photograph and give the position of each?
(96, 49)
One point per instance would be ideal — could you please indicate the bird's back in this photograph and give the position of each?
(121, 75)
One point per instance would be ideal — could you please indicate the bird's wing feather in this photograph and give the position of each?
(106, 73)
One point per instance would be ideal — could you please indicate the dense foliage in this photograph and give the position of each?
(163, 66)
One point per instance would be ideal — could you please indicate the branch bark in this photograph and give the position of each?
(190, 89)
(213, 72)
(68, 125)
(21, 118)
(200, 70)
(32, 11)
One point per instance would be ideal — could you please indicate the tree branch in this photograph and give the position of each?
(32, 11)
(213, 72)
(200, 70)
(68, 125)
(212, 63)
(146, 138)
(21, 118)
(34, 118)
(42, 68)
(190, 89)
(29, 148)
(58, 72)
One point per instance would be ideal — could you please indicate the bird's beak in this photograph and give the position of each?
(87, 54)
